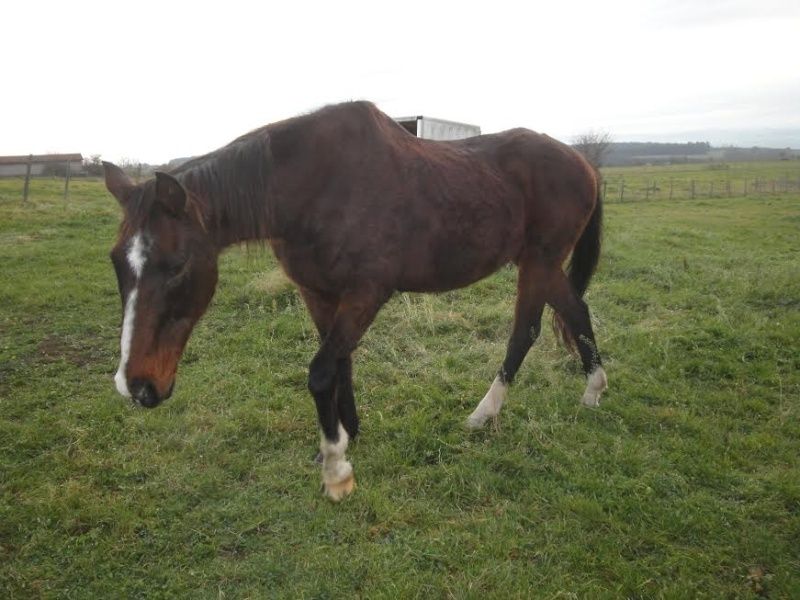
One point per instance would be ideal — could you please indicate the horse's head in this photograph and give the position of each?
(166, 266)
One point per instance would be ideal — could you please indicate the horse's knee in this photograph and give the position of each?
(321, 376)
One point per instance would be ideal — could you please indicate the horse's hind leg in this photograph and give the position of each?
(575, 314)
(526, 328)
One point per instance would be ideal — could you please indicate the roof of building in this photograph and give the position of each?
(434, 119)
(40, 158)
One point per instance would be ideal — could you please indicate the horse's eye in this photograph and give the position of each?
(177, 271)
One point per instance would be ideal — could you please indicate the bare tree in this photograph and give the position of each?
(135, 168)
(93, 165)
(594, 145)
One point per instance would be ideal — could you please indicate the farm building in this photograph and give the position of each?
(438, 129)
(40, 164)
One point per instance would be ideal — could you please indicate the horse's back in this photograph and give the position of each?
(510, 193)
(558, 185)
(372, 202)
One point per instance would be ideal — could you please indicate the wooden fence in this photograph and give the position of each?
(136, 171)
(66, 165)
(615, 188)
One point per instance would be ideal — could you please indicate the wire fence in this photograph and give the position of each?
(23, 189)
(615, 188)
(51, 184)
(620, 189)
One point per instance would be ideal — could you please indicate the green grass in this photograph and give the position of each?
(685, 483)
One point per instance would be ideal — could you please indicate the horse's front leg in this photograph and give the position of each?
(337, 415)
(322, 309)
(337, 472)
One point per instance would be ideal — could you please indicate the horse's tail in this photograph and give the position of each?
(583, 263)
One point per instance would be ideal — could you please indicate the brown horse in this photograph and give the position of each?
(355, 208)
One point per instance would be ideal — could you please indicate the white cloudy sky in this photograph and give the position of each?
(156, 80)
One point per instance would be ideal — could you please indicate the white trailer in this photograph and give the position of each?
(438, 129)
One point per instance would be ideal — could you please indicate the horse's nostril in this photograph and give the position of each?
(144, 393)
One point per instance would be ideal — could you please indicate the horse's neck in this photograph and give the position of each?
(227, 231)
(237, 203)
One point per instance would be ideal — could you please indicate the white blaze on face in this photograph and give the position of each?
(136, 255)
(136, 260)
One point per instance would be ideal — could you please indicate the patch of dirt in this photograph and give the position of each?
(757, 579)
(53, 349)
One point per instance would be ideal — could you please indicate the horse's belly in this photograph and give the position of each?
(456, 261)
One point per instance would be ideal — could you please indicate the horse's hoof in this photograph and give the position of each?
(597, 383)
(337, 491)
(591, 400)
(489, 407)
(475, 422)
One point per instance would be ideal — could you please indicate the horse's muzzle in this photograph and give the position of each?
(144, 393)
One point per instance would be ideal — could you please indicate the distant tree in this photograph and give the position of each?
(594, 145)
(93, 165)
(135, 168)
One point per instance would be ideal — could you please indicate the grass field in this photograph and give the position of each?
(685, 483)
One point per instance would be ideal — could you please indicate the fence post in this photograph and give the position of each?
(692, 189)
(647, 191)
(66, 181)
(27, 178)
(605, 183)
(621, 190)
(711, 189)
(670, 188)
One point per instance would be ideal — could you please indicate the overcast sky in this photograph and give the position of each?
(156, 80)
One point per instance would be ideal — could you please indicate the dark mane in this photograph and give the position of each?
(229, 186)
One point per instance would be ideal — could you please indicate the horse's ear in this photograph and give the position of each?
(170, 194)
(119, 184)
